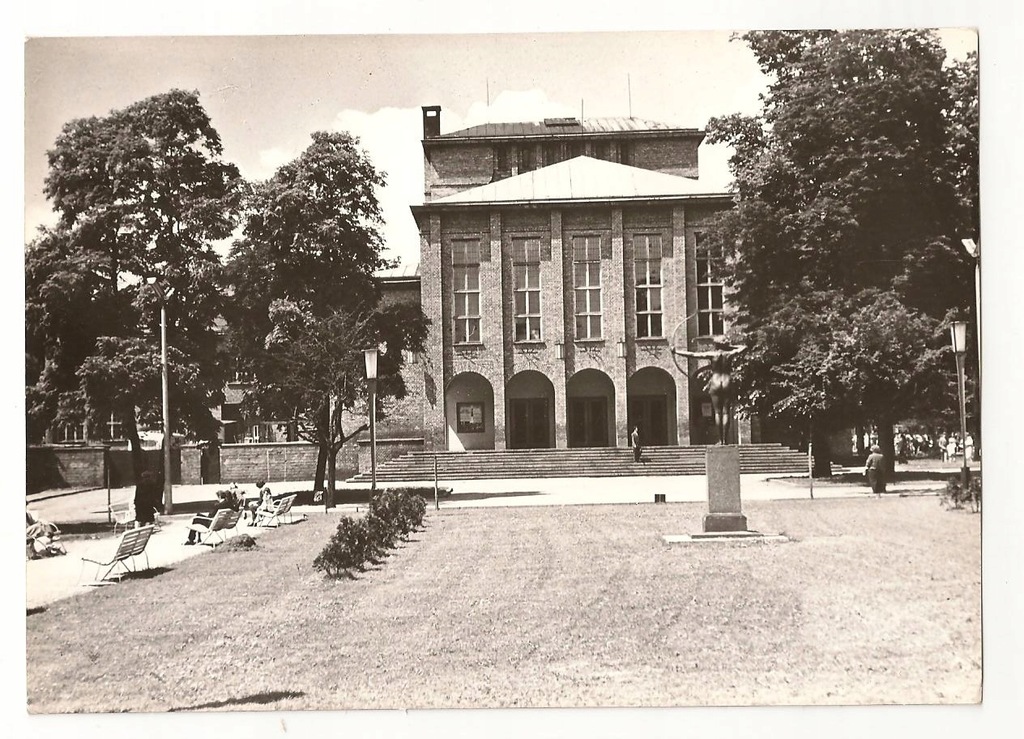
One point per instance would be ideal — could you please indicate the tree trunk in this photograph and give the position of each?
(822, 466)
(887, 442)
(321, 467)
(861, 451)
(332, 457)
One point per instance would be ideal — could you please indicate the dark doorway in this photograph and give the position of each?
(588, 422)
(650, 413)
(529, 423)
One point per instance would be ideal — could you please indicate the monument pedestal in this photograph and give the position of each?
(722, 467)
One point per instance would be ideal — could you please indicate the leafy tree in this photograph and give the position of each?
(305, 299)
(849, 185)
(140, 193)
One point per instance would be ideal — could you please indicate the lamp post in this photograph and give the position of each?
(370, 357)
(958, 333)
(974, 250)
(162, 296)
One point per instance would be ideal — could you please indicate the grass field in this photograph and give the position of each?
(872, 601)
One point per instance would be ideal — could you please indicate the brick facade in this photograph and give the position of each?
(620, 372)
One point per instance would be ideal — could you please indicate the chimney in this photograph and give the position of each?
(431, 121)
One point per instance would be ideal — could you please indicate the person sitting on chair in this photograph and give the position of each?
(261, 503)
(205, 519)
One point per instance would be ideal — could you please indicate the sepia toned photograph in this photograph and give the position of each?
(590, 369)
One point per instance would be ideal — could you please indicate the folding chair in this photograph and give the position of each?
(132, 544)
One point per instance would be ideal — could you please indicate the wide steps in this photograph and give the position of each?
(590, 462)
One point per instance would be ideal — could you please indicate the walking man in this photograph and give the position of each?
(634, 439)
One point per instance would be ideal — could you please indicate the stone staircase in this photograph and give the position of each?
(591, 462)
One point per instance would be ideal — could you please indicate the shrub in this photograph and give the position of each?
(392, 515)
(955, 496)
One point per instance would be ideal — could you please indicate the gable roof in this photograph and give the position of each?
(561, 126)
(583, 178)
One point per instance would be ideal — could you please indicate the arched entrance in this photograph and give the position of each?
(590, 409)
(529, 411)
(469, 412)
(651, 405)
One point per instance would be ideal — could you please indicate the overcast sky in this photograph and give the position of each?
(266, 94)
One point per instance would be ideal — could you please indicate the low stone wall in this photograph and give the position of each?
(387, 449)
(247, 463)
(48, 467)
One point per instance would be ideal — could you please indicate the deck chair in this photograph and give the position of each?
(223, 521)
(132, 544)
(274, 515)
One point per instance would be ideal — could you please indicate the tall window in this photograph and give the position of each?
(526, 262)
(466, 263)
(72, 432)
(586, 251)
(114, 427)
(647, 269)
(526, 159)
(709, 289)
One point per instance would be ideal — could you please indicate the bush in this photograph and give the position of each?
(955, 496)
(392, 515)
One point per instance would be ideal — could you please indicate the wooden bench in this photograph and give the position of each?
(132, 544)
(223, 521)
(274, 515)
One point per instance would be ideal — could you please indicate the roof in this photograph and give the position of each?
(403, 270)
(561, 126)
(583, 178)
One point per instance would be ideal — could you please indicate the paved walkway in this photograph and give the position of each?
(84, 514)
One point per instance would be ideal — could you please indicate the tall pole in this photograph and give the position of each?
(168, 502)
(373, 437)
(331, 472)
(963, 416)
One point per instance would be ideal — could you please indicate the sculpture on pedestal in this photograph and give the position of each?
(719, 380)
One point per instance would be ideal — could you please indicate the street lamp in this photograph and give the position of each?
(162, 295)
(958, 333)
(370, 357)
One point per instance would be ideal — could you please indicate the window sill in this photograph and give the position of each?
(468, 344)
(652, 339)
(590, 341)
(529, 342)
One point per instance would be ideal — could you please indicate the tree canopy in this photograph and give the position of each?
(142, 193)
(305, 301)
(853, 183)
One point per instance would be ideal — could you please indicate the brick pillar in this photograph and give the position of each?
(433, 304)
(682, 281)
(554, 324)
(615, 327)
(493, 328)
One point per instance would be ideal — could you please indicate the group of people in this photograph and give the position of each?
(232, 499)
(922, 445)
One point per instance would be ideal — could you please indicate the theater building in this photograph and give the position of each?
(558, 262)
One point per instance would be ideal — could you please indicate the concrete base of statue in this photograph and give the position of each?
(722, 467)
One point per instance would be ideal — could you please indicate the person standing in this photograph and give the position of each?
(634, 439)
(874, 468)
(969, 447)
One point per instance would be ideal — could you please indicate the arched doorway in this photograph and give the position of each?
(469, 412)
(590, 409)
(651, 405)
(529, 411)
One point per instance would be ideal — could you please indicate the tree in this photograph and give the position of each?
(305, 299)
(141, 193)
(847, 185)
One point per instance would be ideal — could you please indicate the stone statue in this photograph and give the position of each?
(718, 384)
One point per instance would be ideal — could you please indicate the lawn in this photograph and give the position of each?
(872, 601)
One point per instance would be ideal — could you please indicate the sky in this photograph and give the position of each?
(267, 94)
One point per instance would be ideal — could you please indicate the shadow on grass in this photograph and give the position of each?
(259, 699)
(147, 574)
(486, 496)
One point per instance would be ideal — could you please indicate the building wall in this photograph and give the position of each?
(247, 463)
(498, 358)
